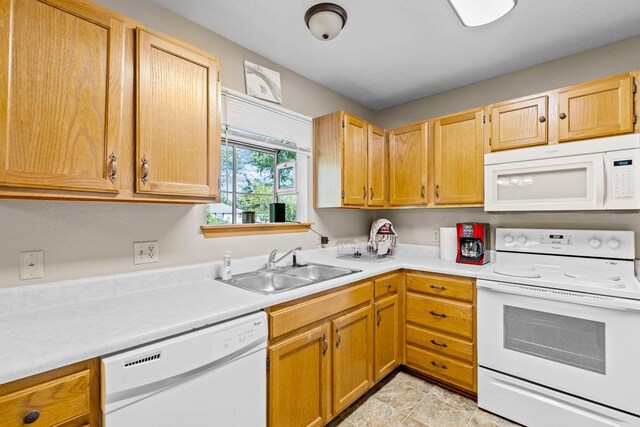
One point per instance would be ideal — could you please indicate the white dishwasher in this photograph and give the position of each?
(215, 376)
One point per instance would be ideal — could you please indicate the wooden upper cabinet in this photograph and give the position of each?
(595, 109)
(178, 132)
(377, 167)
(349, 158)
(458, 161)
(61, 90)
(408, 165)
(517, 124)
(352, 357)
(354, 161)
(298, 380)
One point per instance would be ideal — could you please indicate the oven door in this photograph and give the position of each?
(555, 184)
(585, 345)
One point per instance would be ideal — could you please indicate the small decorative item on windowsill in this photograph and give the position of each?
(277, 212)
(248, 217)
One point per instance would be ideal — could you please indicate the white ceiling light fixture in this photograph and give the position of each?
(325, 20)
(473, 13)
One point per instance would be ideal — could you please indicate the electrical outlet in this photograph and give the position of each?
(145, 252)
(436, 235)
(318, 238)
(31, 265)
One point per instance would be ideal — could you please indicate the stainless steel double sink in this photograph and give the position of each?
(287, 278)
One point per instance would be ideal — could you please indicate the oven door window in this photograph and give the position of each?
(568, 340)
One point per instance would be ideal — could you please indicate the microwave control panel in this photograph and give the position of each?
(624, 177)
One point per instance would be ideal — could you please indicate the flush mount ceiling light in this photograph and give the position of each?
(473, 13)
(325, 20)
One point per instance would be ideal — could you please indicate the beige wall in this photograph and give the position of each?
(615, 58)
(83, 239)
(415, 226)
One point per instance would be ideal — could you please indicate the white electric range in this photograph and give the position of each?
(559, 328)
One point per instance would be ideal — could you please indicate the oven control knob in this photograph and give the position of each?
(522, 239)
(595, 243)
(614, 244)
(508, 239)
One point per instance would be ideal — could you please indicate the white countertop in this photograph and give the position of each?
(48, 326)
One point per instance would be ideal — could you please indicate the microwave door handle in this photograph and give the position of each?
(601, 183)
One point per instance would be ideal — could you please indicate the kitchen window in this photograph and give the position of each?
(253, 177)
(264, 160)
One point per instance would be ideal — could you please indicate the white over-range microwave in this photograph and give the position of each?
(599, 174)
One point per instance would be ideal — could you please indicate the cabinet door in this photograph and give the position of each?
(354, 162)
(377, 167)
(458, 159)
(352, 357)
(298, 380)
(386, 336)
(178, 140)
(519, 124)
(61, 91)
(407, 165)
(596, 109)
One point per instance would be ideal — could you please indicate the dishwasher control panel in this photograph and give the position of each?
(237, 337)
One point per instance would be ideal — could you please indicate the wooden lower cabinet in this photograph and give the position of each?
(440, 329)
(446, 369)
(69, 397)
(387, 339)
(352, 356)
(324, 350)
(327, 350)
(299, 387)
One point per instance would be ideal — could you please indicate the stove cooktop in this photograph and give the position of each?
(567, 260)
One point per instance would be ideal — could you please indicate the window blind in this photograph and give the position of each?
(251, 120)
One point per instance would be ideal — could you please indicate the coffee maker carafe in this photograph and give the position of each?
(473, 243)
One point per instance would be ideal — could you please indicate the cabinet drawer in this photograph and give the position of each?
(441, 367)
(386, 285)
(460, 288)
(57, 401)
(440, 314)
(285, 319)
(440, 343)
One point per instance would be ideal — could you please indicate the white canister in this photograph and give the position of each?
(448, 243)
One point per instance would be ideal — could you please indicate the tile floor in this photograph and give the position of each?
(405, 400)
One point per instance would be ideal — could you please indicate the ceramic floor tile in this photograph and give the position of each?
(415, 382)
(375, 413)
(437, 412)
(412, 422)
(452, 398)
(487, 419)
(400, 395)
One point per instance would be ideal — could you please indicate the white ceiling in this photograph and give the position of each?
(391, 52)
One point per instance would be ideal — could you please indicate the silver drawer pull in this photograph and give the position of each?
(114, 167)
(145, 170)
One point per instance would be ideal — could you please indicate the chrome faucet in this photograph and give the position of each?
(271, 265)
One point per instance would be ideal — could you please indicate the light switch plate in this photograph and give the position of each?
(31, 265)
(145, 252)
